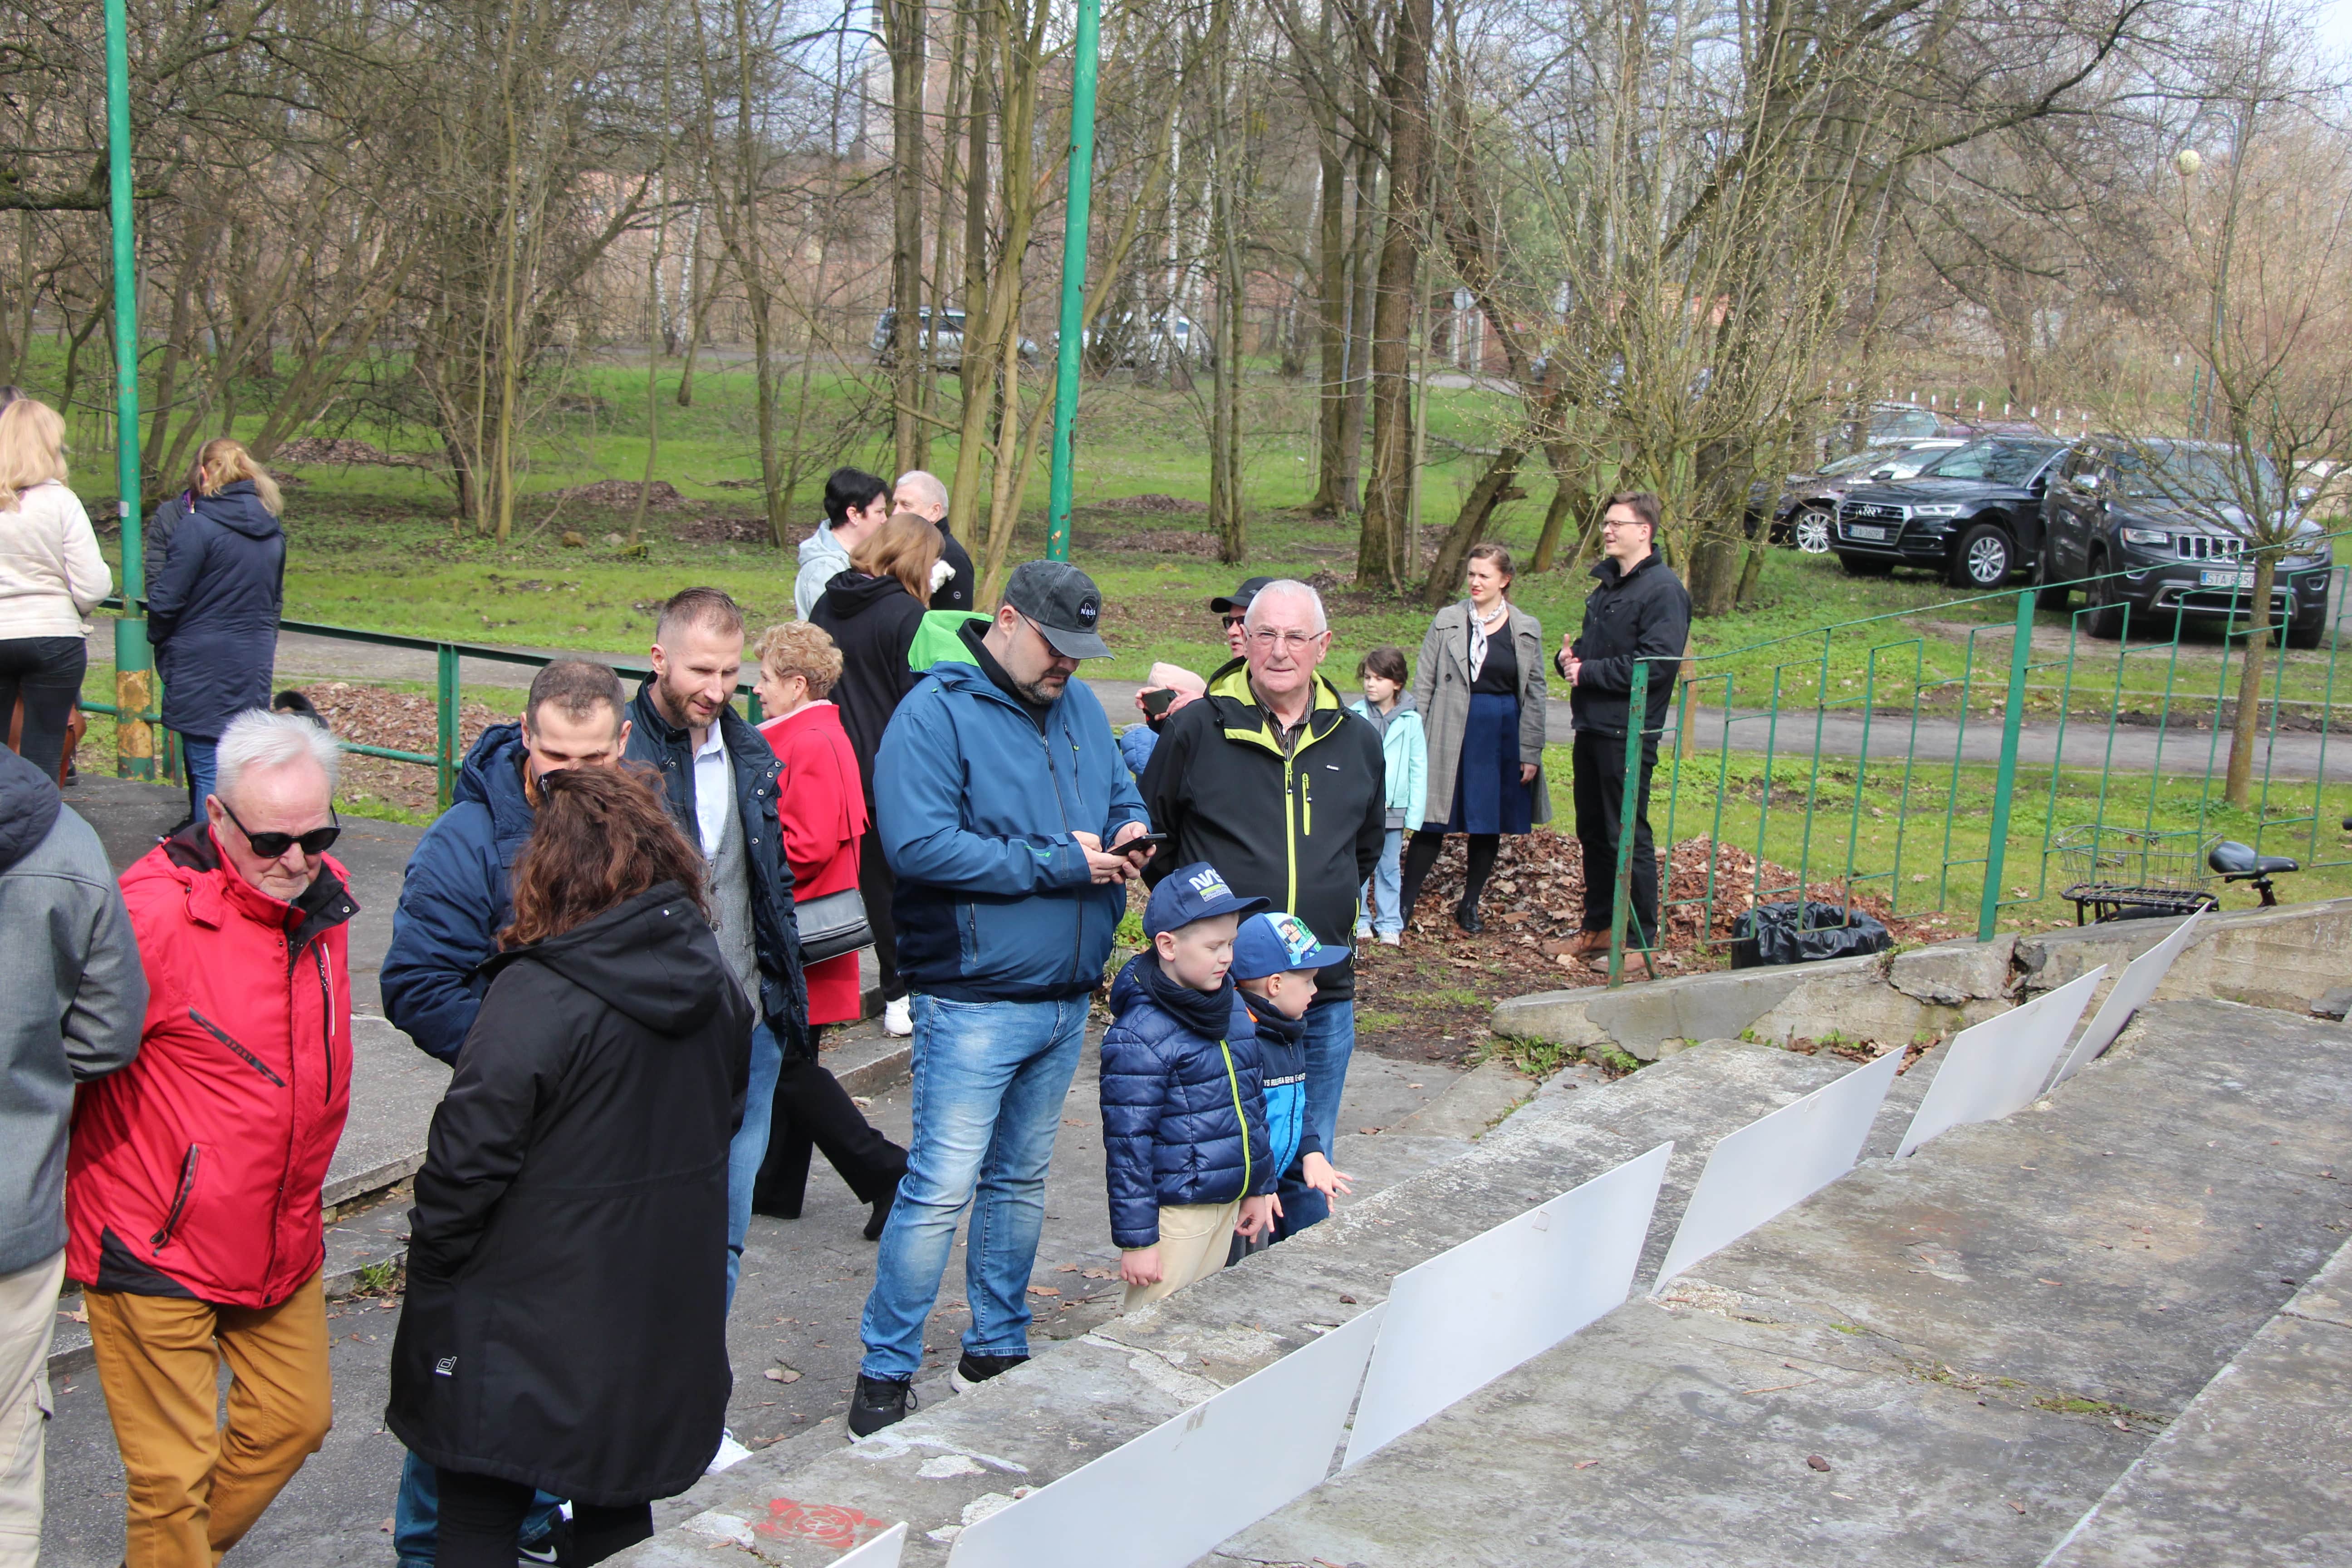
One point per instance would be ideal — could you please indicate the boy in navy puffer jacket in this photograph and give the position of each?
(1183, 1115)
(1275, 961)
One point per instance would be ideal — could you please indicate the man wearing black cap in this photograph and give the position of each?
(1231, 608)
(996, 791)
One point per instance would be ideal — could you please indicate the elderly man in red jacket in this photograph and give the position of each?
(193, 1178)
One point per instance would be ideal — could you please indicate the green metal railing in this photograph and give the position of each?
(1880, 814)
(449, 745)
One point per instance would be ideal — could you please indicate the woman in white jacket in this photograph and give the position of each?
(51, 577)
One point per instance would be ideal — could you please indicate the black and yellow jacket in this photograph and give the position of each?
(1303, 831)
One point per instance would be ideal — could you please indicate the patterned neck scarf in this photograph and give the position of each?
(1478, 632)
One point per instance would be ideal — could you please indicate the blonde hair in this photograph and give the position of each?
(907, 547)
(223, 461)
(32, 448)
(801, 648)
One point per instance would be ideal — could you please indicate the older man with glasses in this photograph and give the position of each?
(193, 1180)
(1002, 804)
(1275, 783)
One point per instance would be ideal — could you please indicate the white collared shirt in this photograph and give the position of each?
(714, 790)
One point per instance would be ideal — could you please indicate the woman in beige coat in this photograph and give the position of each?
(51, 577)
(1479, 685)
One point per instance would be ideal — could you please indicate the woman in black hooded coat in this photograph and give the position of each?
(565, 1323)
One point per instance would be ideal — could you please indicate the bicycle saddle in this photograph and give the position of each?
(2234, 860)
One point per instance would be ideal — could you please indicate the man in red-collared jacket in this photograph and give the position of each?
(193, 1176)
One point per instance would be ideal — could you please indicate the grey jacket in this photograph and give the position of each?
(822, 560)
(1440, 688)
(72, 998)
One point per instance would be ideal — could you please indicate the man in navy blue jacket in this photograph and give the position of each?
(1001, 802)
(454, 900)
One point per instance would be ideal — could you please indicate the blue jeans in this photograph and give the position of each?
(1330, 1040)
(1385, 916)
(750, 1146)
(201, 757)
(990, 1080)
(417, 1517)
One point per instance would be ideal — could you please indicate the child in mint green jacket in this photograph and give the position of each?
(1389, 707)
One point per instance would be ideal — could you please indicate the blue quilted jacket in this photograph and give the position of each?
(1183, 1117)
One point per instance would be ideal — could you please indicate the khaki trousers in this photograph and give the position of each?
(28, 1310)
(194, 1486)
(1193, 1241)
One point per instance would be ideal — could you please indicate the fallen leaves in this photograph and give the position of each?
(782, 1374)
(1817, 1462)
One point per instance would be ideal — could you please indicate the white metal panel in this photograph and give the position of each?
(1999, 1065)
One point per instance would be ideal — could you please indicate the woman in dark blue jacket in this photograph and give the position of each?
(212, 610)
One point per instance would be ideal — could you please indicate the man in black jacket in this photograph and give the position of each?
(1639, 613)
(720, 777)
(1271, 779)
(923, 494)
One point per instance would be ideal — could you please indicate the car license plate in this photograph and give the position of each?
(2225, 579)
(1865, 530)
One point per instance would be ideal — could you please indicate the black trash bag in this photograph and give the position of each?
(1804, 934)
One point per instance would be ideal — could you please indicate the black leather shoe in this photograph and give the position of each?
(881, 1214)
(973, 1370)
(1466, 917)
(879, 1402)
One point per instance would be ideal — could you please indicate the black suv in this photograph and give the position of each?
(2155, 512)
(1974, 514)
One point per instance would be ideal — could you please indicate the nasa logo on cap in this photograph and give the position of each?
(1209, 884)
(1089, 611)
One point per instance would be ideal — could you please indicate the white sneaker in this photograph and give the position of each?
(897, 1017)
(730, 1454)
(1392, 938)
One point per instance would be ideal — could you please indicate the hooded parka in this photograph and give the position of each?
(873, 621)
(565, 1322)
(196, 1170)
(213, 610)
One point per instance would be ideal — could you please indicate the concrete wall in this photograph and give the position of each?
(2285, 958)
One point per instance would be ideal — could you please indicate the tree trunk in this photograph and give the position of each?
(1494, 488)
(1332, 322)
(1570, 490)
(1224, 416)
(2245, 727)
(1382, 551)
(1360, 325)
(904, 20)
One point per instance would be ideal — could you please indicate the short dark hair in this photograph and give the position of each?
(1645, 504)
(852, 489)
(712, 607)
(1388, 663)
(575, 686)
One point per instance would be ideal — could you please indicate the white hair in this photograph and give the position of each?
(1286, 589)
(924, 484)
(259, 738)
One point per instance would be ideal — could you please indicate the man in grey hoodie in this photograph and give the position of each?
(855, 504)
(72, 998)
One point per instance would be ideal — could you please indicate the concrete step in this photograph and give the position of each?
(1085, 1396)
(2253, 1473)
(1975, 1342)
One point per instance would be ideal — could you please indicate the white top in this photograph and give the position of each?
(714, 790)
(51, 574)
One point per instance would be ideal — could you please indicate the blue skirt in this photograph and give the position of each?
(1488, 794)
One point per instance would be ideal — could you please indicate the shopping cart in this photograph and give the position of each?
(2126, 873)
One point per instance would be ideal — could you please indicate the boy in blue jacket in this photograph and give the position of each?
(1275, 961)
(1183, 1116)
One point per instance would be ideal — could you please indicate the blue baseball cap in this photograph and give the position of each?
(1278, 943)
(1192, 893)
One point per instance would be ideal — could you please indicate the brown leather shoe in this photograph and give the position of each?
(1585, 943)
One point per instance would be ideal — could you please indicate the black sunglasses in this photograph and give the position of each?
(271, 845)
(1233, 621)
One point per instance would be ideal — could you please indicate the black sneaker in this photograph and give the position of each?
(879, 1402)
(972, 1371)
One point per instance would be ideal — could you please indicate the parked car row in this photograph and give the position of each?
(1170, 337)
(2149, 523)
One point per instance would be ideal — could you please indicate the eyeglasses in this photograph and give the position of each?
(1266, 637)
(1230, 622)
(271, 845)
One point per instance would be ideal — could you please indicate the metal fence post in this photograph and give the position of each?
(2012, 725)
(444, 703)
(1637, 718)
(134, 663)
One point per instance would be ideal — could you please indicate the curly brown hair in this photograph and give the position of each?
(801, 648)
(601, 837)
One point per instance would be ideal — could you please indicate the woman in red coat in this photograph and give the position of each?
(822, 807)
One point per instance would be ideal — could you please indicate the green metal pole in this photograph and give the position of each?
(445, 743)
(2012, 725)
(1074, 277)
(134, 682)
(1637, 715)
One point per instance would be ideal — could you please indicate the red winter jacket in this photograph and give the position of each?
(196, 1170)
(821, 805)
